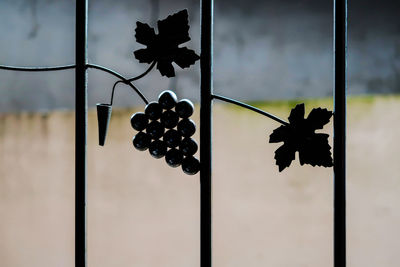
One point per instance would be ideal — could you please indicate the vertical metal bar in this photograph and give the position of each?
(339, 134)
(80, 131)
(206, 87)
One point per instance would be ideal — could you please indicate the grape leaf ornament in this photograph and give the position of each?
(163, 48)
(299, 135)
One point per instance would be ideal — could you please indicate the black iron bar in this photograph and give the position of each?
(241, 104)
(123, 80)
(80, 132)
(206, 89)
(339, 131)
(33, 69)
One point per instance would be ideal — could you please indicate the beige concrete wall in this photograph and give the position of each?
(143, 213)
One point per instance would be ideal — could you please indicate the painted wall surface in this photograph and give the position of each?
(263, 49)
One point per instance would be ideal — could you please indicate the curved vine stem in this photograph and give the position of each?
(144, 73)
(33, 69)
(128, 81)
(94, 66)
(243, 105)
(122, 79)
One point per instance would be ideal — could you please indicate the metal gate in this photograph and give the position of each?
(207, 96)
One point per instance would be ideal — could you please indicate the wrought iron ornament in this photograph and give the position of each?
(164, 128)
(300, 136)
(162, 49)
(159, 119)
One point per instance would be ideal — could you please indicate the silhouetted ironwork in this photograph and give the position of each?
(206, 91)
(300, 136)
(243, 105)
(103, 120)
(164, 46)
(81, 106)
(129, 82)
(165, 128)
(339, 131)
(37, 69)
(122, 80)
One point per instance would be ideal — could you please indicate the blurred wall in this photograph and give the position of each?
(263, 49)
(143, 213)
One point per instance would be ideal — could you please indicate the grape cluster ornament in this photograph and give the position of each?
(166, 130)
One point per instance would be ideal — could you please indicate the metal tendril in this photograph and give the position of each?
(128, 82)
(93, 66)
(243, 105)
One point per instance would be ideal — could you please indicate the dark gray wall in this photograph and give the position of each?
(263, 49)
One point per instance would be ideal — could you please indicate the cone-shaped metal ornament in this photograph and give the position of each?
(103, 119)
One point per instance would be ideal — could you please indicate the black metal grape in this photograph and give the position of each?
(184, 108)
(153, 110)
(158, 149)
(141, 141)
(174, 157)
(169, 119)
(186, 127)
(139, 121)
(190, 165)
(165, 128)
(172, 138)
(155, 129)
(188, 146)
(167, 99)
